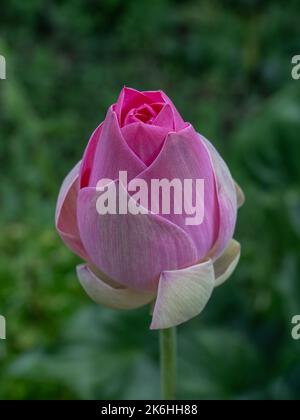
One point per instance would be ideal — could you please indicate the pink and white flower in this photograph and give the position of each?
(135, 259)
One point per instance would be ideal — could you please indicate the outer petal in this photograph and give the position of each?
(227, 200)
(112, 154)
(66, 213)
(184, 157)
(240, 195)
(105, 294)
(182, 294)
(88, 157)
(225, 265)
(132, 249)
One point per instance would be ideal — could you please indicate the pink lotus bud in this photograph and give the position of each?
(133, 258)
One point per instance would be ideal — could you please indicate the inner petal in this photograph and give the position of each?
(145, 140)
(145, 113)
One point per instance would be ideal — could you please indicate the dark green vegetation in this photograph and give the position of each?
(227, 66)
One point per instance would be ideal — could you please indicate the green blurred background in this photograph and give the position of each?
(227, 67)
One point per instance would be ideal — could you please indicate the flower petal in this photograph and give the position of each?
(182, 294)
(154, 95)
(103, 293)
(183, 157)
(240, 195)
(225, 265)
(66, 213)
(130, 98)
(165, 118)
(112, 154)
(179, 123)
(145, 140)
(132, 249)
(227, 199)
(88, 157)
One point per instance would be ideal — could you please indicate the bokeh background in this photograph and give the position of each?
(227, 67)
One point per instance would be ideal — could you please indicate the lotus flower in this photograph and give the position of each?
(135, 259)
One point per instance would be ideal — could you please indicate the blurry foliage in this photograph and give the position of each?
(227, 67)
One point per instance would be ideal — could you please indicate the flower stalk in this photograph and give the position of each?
(168, 363)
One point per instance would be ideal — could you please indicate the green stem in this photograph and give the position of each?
(168, 363)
